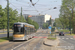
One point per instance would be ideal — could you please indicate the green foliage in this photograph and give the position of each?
(21, 19)
(72, 34)
(32, 22)
(35, 24)
(67, 16)
(58, 23)
(63, 30)
(3, 39)
(50, 38)
(53, 29)
(29, 20)
(50, 22)
(54, 24)
(3, 18)
(13, 17)
(45, 25)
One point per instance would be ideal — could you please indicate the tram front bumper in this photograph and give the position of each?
(22, 38)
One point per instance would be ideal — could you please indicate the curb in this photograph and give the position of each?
(51, 45)
(47, 44)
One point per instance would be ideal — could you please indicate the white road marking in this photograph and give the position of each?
(62, 38)
(20, 45)
(71, 38)
(66, 42)
(34, 48)
(67, 38)
(58, 38)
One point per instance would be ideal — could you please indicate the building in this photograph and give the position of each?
(39, 19)
(47, 18)
(25, 16)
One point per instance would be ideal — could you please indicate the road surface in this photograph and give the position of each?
(5, 35)
(35, 43)
(66, 42)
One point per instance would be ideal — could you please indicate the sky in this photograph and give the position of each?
(41, 7)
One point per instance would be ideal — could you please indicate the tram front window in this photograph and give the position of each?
(18, 30)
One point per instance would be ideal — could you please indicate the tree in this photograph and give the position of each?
(45, 25)
(3, 19)
(67, 13)
(13, 17)
(35, 25)
(50, 22)
(21, 19)
(58, 23)
(54, 24)
(29, 20)
(32, 22)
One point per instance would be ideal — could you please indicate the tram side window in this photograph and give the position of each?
(25, 30)
(30, 31)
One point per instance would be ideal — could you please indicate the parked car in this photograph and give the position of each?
(61, 34)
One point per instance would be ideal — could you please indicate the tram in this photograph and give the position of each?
(23, 31)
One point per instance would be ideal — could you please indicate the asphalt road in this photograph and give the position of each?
(66, 42)
(36, 43)
(5, 35)
(5, 31)
(32, 44)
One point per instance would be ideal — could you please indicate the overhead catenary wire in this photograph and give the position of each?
(25, 6)
(14, 6)
(21, 3)
(19, 9)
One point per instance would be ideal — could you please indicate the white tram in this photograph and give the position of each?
(23, 31)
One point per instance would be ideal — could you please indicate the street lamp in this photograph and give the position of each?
(8, 18)
(70, 24)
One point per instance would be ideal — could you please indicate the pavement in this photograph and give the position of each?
(48, 42)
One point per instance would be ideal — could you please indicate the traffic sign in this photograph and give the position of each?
(49, 27)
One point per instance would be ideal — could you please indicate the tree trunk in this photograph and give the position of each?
(73, 24)
(2, 28)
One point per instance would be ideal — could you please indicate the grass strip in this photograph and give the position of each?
(51, 38)
(71, 34)
(5, 39)
(64, 30)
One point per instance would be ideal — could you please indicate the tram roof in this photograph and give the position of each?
(24, 23)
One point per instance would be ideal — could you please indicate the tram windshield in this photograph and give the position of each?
(18, 29)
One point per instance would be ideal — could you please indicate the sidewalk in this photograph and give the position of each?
(48, 42)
